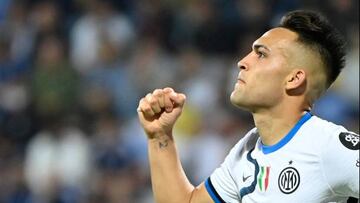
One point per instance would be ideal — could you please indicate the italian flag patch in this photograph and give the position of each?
(263, 179)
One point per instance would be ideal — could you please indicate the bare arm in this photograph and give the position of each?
(158, 113)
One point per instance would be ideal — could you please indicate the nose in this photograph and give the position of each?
(242, 66)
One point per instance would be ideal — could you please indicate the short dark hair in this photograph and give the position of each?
(315, 31)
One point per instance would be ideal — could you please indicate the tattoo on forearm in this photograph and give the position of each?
(163, 143)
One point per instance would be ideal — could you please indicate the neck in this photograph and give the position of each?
(274, 124)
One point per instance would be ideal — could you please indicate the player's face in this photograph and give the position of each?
(262, 78)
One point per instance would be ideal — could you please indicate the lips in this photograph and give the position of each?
(240, 77)
(241, 80)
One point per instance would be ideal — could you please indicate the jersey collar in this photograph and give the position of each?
(269, 149)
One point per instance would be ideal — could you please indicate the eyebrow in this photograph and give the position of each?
(258, 46)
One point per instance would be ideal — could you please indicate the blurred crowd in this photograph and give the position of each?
(72, 72)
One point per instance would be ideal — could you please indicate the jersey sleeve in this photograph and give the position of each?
(221, 185)
(340, 162)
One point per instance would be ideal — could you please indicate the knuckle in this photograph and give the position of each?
(148, 96)
(153, 102)
(168, 89)
(157, 92)
(147, 109)
(141, 102)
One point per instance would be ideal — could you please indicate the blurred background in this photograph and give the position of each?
(72, 73)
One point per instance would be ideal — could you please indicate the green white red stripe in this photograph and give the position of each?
(263, 179)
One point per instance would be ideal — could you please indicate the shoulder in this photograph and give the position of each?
(321, 135)
(318, 123)
(339, 157)
(325, 129)
(333, 136)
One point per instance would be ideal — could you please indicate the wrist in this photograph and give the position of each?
(161, 140)
(158, 135)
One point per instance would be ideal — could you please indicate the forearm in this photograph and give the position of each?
(169, 181)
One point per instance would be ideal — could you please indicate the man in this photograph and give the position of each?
(291, 155)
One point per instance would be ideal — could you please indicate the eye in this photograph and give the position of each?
(260, 54)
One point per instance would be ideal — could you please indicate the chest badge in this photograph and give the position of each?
(289, 180)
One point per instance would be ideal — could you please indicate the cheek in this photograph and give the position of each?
(271, 73)
(268, 83)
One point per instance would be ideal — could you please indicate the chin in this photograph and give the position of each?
(233, 98)
(237, 101)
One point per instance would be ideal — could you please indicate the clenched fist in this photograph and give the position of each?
(158, 111)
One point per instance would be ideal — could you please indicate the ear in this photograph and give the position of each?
(295, 79)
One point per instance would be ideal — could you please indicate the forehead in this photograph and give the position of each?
(278, 38)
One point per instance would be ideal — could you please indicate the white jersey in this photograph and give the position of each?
(317, 161)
